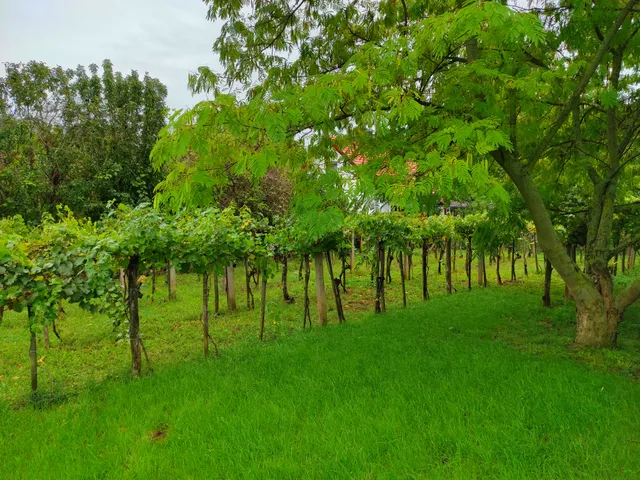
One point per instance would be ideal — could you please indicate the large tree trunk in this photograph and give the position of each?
(498, 277)
(425, 270)
(321, 297)
(231, 288)
(548, 270)
(598, 327)
(594, 324)
(134, 318)
(447, 266)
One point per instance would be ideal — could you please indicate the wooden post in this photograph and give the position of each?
(216, 293)
(154, 276)
(482, 270)
(231, 288)
(263, 304)
(468, 262)
(353, 251)
(535, 252)
(205, 312)
(320, 292)
(45, 336)
(406, 262)
(123, 283)
(447, 265)
(33, 353)
(171, 274)
(455, 254)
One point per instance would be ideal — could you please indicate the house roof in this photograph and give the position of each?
(355, 158)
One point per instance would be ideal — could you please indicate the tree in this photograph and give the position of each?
(138, 238)
(62, 260)
(440, 94)
(76, 138)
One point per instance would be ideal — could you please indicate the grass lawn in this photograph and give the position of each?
(481, 384)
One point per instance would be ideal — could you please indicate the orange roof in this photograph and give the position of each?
(357, 159)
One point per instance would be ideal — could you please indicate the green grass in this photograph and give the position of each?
(481, 384)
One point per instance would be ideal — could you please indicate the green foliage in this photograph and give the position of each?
(63, 260)
(466, 226)
(393, 230)
(497, 230)
(76, 138)
(141, 231)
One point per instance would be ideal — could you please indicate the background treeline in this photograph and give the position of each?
(76, 137)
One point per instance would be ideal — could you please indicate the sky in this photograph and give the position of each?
(166, 38)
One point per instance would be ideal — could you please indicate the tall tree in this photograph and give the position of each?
(77, 138)
(440, 94)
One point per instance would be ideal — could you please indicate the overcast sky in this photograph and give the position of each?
(167, 38)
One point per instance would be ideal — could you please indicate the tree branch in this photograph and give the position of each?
(584, 81)
(536, 61)
(629, 296)
(622, 246)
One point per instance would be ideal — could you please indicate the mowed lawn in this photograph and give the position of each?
(481, 384)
